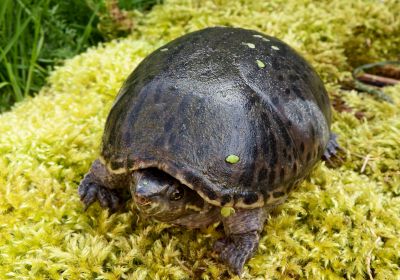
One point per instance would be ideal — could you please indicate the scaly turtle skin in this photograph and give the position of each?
(191, 106)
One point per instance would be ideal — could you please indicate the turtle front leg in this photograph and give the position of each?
(111, 190)
(243, 234)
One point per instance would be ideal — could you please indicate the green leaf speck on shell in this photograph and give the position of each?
(260, 64)
(275, 48)
(250, 45)
(227, 211)
(232, 159)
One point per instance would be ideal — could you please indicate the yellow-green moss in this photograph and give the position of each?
(342, 222)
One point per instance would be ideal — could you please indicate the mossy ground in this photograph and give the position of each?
(341, 223)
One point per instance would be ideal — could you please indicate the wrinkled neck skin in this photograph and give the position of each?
(199, 219)
(193, 217)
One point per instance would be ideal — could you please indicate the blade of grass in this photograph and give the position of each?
(36, 49)
(3, 84)
(14, 83)
(18, 54)
(14, 39)
(3, 8)
(88, 30)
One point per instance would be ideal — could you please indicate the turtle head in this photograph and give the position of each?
(161, 196)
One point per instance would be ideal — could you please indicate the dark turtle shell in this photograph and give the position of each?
(217, 92)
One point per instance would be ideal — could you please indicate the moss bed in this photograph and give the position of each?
(341, 223)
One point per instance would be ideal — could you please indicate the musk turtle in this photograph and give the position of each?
(221, 118)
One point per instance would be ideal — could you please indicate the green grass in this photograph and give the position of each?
(34, 36)
(37, 35)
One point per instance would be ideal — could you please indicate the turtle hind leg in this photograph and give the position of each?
(237, 249)
(242, 231)
(332, 148)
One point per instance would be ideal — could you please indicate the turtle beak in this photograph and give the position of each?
(141, 200)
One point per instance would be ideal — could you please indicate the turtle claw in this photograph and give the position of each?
(88, 194)
(237, 250)
(220, 244)
(331, 148)
(90, 191)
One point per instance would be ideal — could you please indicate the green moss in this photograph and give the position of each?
(342, 222)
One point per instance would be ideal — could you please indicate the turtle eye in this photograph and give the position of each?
(177, 193)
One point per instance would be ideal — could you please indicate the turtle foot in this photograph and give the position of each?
(90, 191)
(332, 148)
(236, 250)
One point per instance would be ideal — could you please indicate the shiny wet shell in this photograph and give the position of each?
(218, 92)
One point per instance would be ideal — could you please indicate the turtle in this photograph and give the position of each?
(217, 125)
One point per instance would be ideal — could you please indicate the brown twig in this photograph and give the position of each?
(377, 80)
(366, 159)
(390, 71)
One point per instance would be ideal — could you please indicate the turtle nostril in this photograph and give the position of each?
(141, 200)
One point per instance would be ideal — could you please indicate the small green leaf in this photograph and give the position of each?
(232, 159)
(227, 211)
(257, 36)
(260, 64)
(275, 48)
(250, 45)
